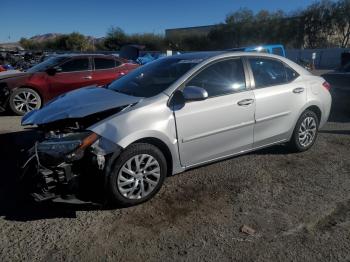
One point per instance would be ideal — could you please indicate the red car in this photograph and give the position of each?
(59, 74)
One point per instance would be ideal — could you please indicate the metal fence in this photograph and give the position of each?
(329, 58)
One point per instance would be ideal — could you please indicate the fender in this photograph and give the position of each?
(130, 126)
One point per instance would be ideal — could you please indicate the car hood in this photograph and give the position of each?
(11, 73)
(78, 104)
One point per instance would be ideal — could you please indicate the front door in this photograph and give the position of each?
(222, 124)
(72, 74)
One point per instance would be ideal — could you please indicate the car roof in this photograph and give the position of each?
(79, 55)
(222, 54)
(198, 55)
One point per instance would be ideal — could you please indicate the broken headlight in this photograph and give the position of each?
(67, 147)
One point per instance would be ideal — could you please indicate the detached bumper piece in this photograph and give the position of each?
(56, 183)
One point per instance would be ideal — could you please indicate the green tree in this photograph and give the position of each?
(317, 20)
(29, 44)
(76, 42)
(341, 22)
(149, 40)
(115, 38)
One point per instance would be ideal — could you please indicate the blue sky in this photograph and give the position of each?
(24, 18)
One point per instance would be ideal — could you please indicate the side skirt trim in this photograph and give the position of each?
(236, 154)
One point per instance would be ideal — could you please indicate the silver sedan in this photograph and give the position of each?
(177, 113)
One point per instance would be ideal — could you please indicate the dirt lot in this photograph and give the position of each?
(299, 205)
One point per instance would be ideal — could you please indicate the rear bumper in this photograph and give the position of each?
(326, 108)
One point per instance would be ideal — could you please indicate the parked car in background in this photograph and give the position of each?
(340, 82)
(170, 115)
(59, 74)
(339, 78)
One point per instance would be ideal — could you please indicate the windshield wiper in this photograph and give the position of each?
(124, 92)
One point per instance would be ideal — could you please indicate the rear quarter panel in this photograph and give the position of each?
(319, 96)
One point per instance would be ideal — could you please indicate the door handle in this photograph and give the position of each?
(245, 102)
(87, 77)
(298, 90)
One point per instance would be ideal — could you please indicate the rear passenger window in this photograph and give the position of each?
(270, 72)
(221, 78)
(102, 63)
(291, 74)
(78, 64)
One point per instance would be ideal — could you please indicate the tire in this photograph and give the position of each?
(24, 100)
(125, 188)
(305, 132)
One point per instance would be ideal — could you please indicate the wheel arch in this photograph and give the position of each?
(162, 147)
(314, 107)
(316, 110)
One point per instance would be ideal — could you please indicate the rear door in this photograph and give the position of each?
(279, 94)
(106, 69)
(222, 124)
(72, 74)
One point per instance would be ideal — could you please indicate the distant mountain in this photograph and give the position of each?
(44, 37)
(51, 36)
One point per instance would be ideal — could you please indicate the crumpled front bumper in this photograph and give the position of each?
(69, 181)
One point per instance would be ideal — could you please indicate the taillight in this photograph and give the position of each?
(326, 85)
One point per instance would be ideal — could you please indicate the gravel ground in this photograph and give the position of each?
(299, 205)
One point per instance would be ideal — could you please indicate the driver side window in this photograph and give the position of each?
(74, 65)
(221, 78)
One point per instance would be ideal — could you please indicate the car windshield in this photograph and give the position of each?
(41, 67)
(153, 78)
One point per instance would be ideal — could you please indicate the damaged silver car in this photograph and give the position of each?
(170, 115)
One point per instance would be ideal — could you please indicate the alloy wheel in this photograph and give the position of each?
(307, 131)
(25, 101)
(139, 176)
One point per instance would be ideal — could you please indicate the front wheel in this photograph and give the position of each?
(137, 175)
(24, 100)
(305, 132)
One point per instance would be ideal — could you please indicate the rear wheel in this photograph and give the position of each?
(305, 132)
(137, 175)
(24, 100)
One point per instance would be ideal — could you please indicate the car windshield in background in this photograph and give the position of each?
(153, 78)
(46, 64)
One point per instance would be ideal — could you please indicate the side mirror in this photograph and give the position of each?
(53, 70)
(194, 93)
